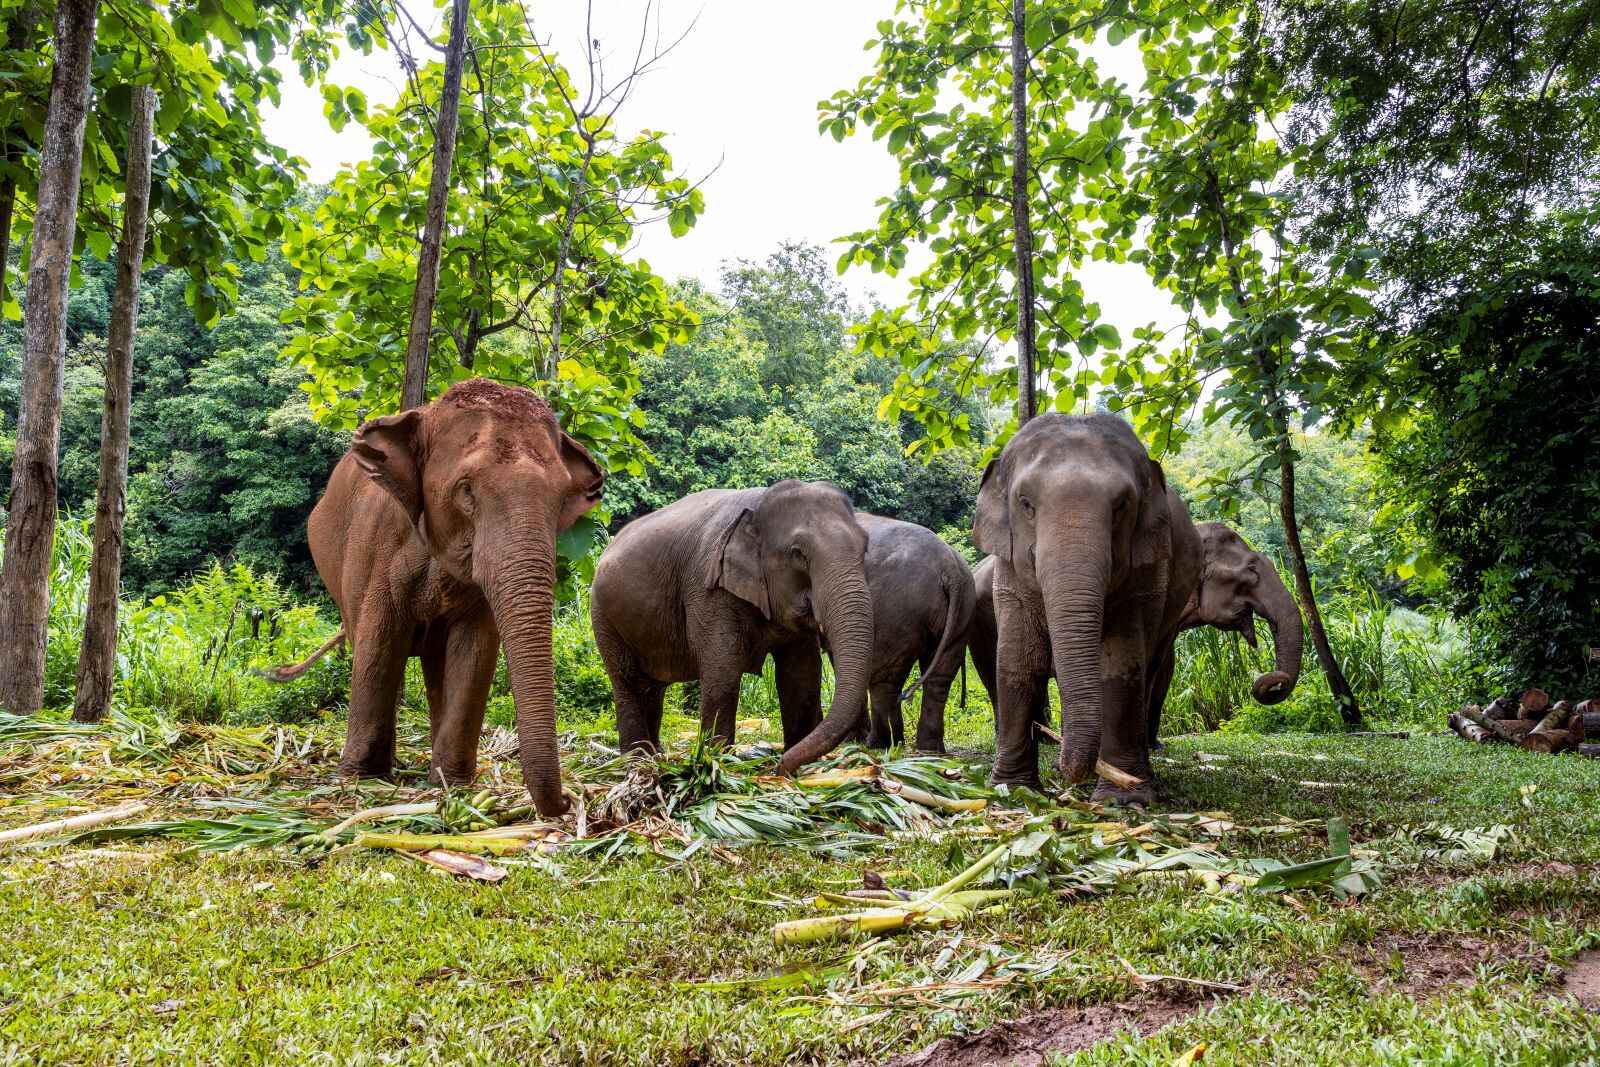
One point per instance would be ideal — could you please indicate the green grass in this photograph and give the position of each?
(148, 955)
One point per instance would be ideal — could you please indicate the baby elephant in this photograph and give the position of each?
(922, 604)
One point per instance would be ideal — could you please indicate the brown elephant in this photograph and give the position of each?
(922, 604)
(436, 537)
(1236, 584)
(1094, 562)
(707, 587)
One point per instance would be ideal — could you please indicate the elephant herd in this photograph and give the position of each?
(436, 538)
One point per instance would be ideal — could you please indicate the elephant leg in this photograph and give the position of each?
(936, 679)
(798, 667)
(378, 668)
(432, 654)
(1124, 733)
(888, 728)
(1016, 759)
(472, 646)
(638, 697)
(1158, 696)
(719, 699)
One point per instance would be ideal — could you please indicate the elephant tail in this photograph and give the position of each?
(947, 640)
(295, 670)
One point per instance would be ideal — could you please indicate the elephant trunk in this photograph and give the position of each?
(844, 609)
(520, 591)
(1075, 604)
(1278, 607)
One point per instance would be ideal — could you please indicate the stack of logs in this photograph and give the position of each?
(1532, 722)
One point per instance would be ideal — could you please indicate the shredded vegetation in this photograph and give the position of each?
(697, 909)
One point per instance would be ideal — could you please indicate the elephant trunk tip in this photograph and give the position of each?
(1076, 767)
(1272, 687)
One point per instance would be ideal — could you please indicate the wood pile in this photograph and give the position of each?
(1533, 722)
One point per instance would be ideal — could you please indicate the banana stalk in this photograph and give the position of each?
(496, 846)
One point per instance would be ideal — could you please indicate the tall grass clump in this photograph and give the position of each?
(190, 654)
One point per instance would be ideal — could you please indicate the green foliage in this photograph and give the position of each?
(536, 286)
(225, 461)
(1488, 420)
(218, 187)
(756, 396)
(190, 654)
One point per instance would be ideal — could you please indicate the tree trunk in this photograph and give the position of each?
(414, 393)
(98, 654)
(1349, 710)
(1021, 222)
(30, 533)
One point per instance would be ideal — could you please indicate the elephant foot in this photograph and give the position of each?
(452, 774)
(370, 768)
(933, 748)
(1140, 796)
(1032, 783)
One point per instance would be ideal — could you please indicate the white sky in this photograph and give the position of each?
(740, 91)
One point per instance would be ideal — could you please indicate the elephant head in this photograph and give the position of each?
(488, 479)
(1236, 585)
(1080, 512)
(798, 556)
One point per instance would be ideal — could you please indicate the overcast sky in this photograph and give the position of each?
(738, 96)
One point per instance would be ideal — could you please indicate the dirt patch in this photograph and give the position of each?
(1029, 1041)
(1582, 979)
(1416, 965)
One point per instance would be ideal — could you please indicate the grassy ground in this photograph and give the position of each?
(138, 954)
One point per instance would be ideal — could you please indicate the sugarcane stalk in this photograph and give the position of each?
(76, 822)
(495, 846)
(388, 811)
(931, 800)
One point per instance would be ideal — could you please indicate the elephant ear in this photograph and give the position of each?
(584, 488)
(991, 524)
(1153, 539)
(387, 450)
(736, 563)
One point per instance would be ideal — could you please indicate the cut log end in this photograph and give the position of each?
(1533, 702)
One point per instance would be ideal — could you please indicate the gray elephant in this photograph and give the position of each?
(922, 603)
(1236, 585)
(706, 588)
(1095, 561)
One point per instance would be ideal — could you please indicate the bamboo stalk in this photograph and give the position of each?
(76, 822)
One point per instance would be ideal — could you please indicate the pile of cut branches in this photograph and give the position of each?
(1532, 722)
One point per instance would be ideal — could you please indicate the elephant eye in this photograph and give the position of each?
(467, 502)
(798, 554)
(1027, 505)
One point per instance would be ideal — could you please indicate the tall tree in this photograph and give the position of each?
(30, 531)
(415, 388)
(1021, 221)
(97, 655)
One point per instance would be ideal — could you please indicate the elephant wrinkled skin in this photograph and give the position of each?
(922, 603)
(707, 587)
(436, 537)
